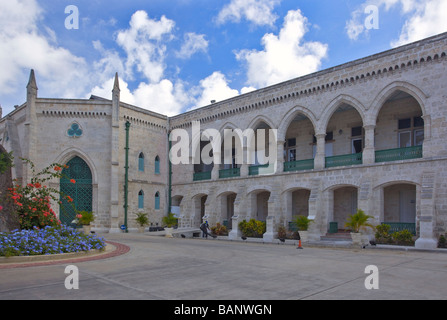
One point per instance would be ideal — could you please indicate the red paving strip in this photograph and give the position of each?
(119, 250)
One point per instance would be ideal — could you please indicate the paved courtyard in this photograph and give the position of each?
(158, 268)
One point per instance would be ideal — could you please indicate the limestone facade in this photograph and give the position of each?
(368, 134)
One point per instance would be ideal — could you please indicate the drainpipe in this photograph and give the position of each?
(126, 170)
(170, 176)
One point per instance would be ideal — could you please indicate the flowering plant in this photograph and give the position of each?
(49, 240)
(33, 201)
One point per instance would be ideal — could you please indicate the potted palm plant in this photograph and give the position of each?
(84, 218)
(169, 221)
(302, 223)
(142, 221)
(356, 223)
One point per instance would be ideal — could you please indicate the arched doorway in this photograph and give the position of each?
(76, 183)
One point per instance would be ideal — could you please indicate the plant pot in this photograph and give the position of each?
(141, 229)
(86, 229)
(356, 238)
(168, 233)
(304, 235)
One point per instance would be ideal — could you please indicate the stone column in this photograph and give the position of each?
(271, 232)
(239, 214)
(115, 160)
(280, 157)
(216, 168)
(369, 152)
(320, 156)
(427, 217)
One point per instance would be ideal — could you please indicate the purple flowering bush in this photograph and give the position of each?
(49, 240)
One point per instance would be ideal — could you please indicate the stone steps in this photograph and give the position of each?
(339, 236)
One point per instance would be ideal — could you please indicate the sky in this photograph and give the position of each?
(177, 55)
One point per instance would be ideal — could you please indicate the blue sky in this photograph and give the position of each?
(177, 55)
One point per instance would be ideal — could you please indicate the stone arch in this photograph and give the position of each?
(386, 92)
(199, 208)
(295, 201)
(70, 153)
(329, 111)
(257, 121)
(342, 200)
(398, 201)
(384, 105)
(288, 118)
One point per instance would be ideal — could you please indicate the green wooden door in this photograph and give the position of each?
(80, 191)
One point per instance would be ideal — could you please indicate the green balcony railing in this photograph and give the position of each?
(399, 154)
(254, 170)
(344, 160)
(299, 165)
(229, 173)
(202, 176)
(399, 226)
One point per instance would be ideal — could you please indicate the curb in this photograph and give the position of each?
(113, 249)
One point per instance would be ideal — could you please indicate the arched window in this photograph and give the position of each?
(141, 199)
(157, 201)
(141, 162)
(157, 165)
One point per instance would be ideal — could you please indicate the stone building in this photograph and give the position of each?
(369, 134)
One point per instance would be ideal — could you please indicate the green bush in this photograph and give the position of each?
(253, 228)
(403, 237)
(383, 234)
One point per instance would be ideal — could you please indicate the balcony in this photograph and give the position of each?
(229, 173)
(254, 170)
(202, 176)
(399, 154)
(344, 160)
(299, 165)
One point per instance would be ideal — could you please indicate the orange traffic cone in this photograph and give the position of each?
(299, 241)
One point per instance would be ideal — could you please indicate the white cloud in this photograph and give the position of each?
(429, 19)
(285, 56)
(258, 12)
(423, 19)
(23, 48)
(214, 87)
(144, 44)
(164, 97)
(193, 43)
(105, 91)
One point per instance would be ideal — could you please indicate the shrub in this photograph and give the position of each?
(282, 232)
(84, 218)
(403, 237)
(253, 228)
(49, 240)
(382, 234)
(219, 230)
